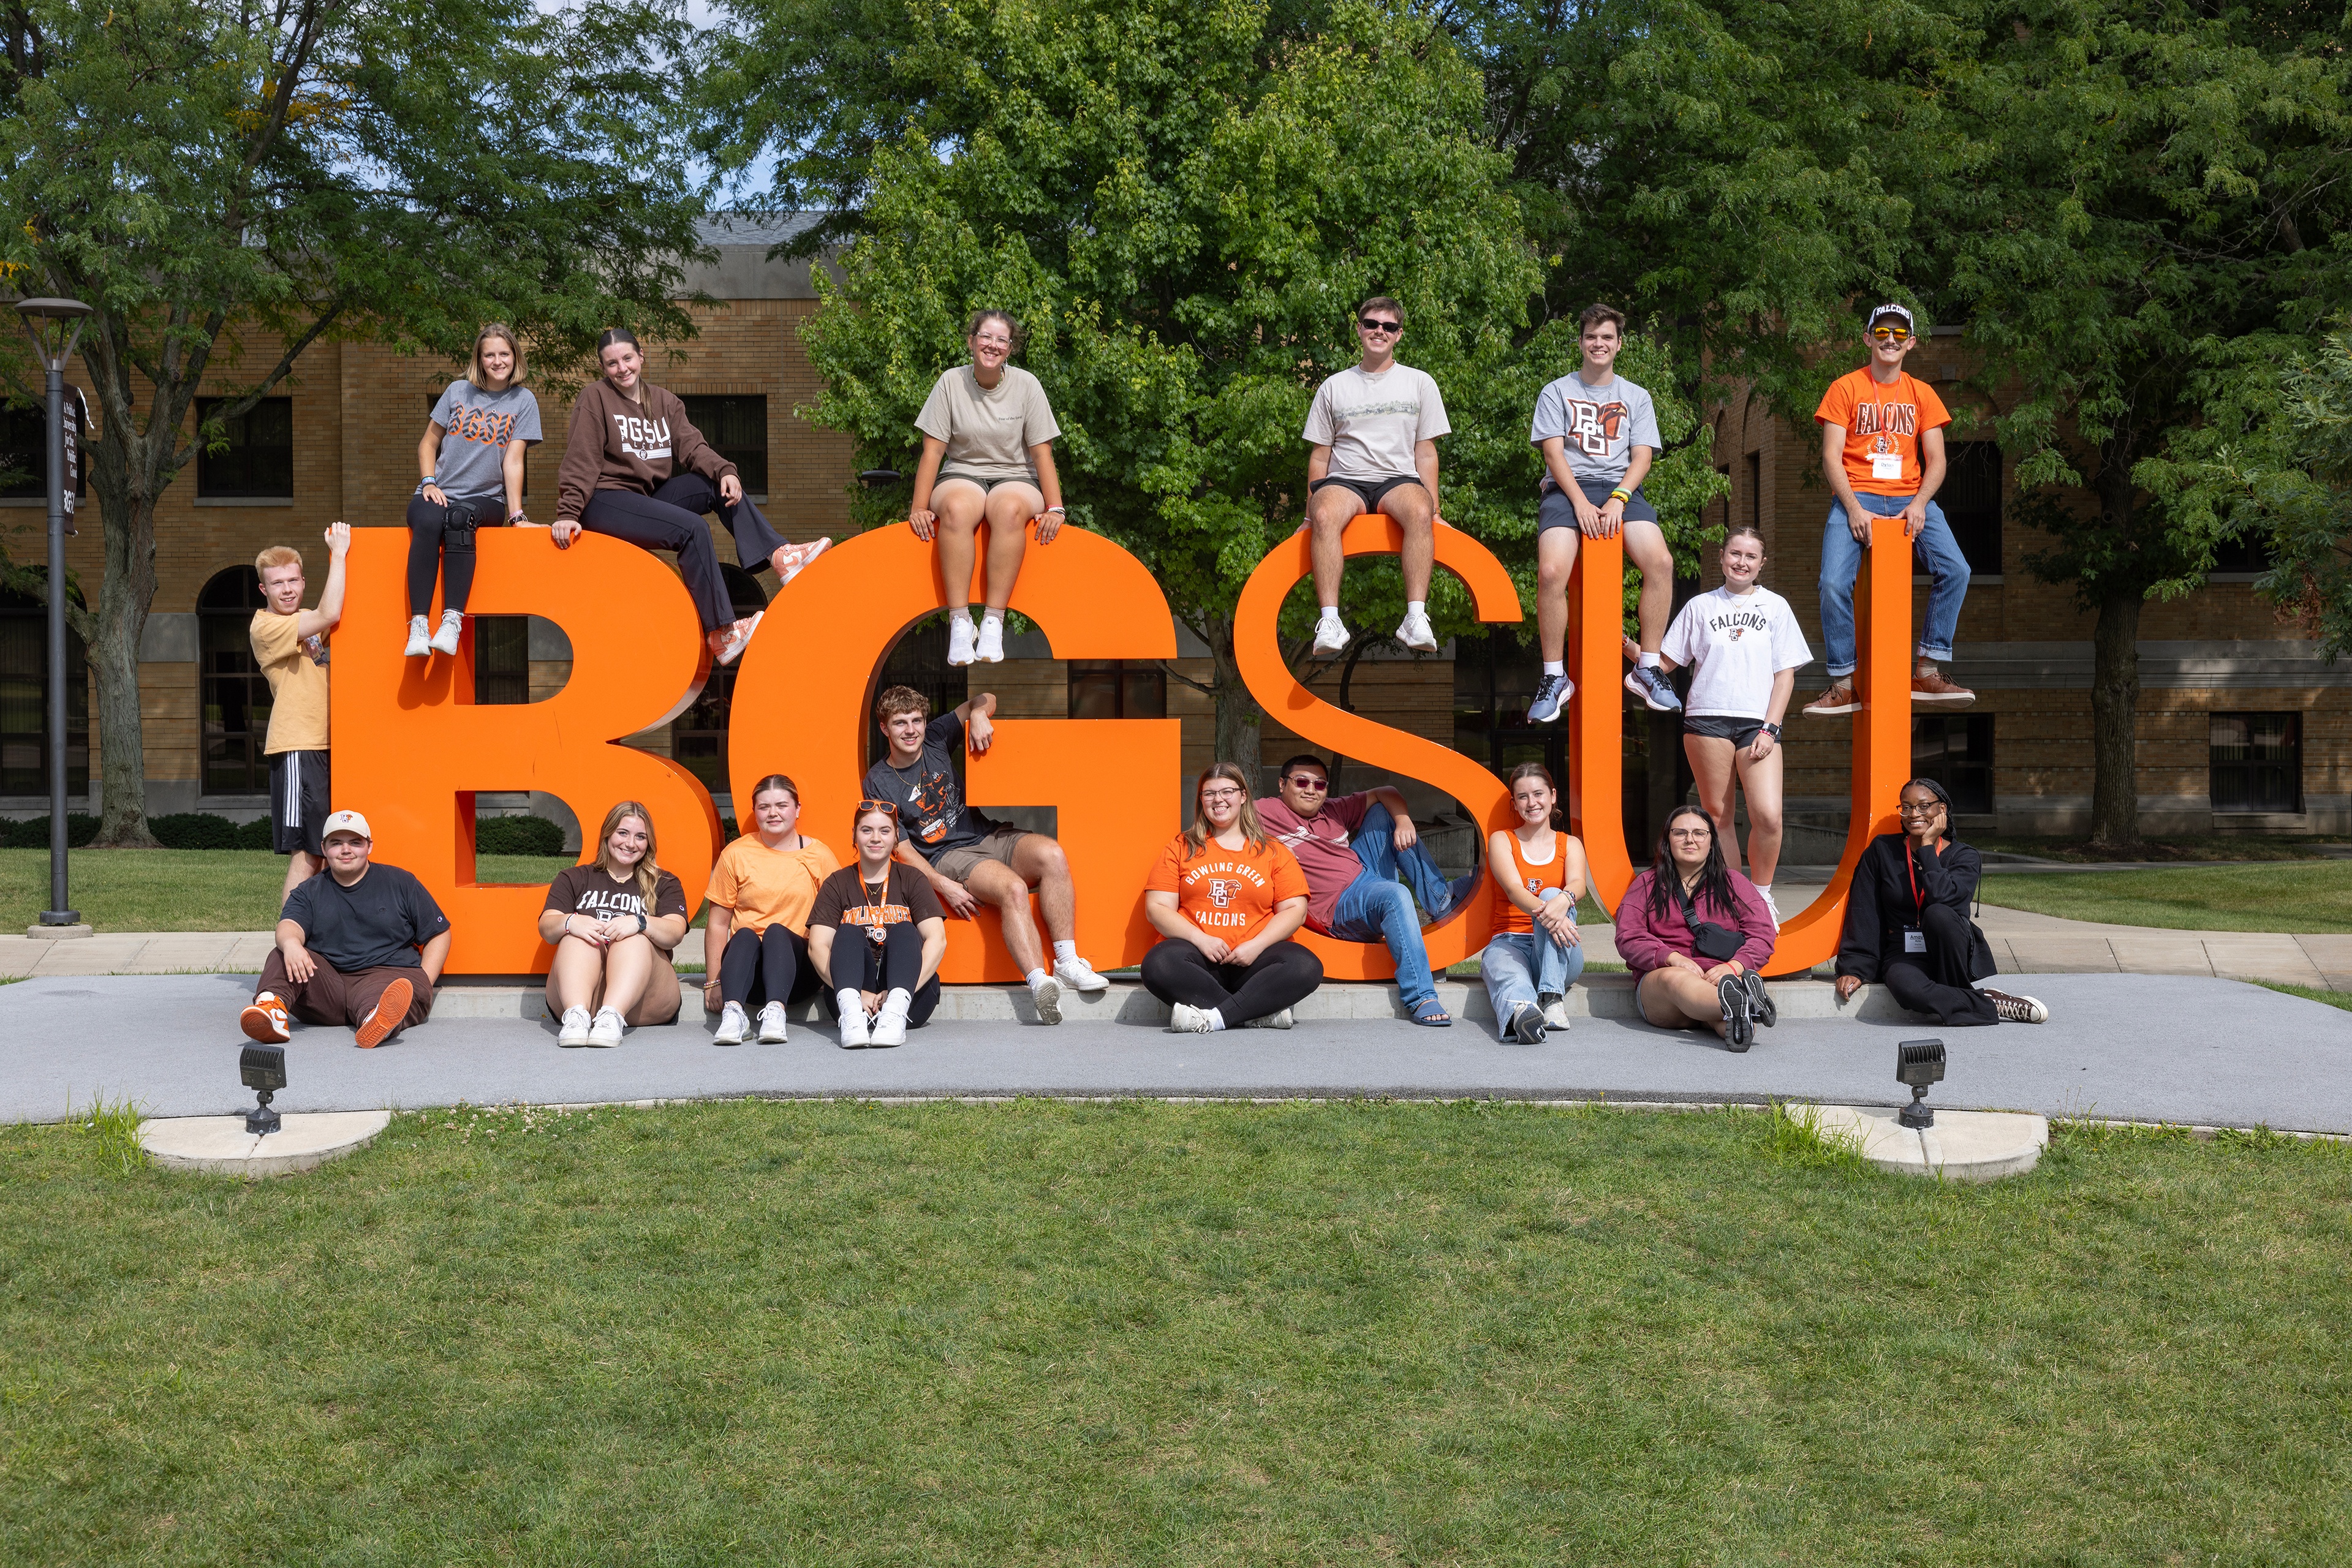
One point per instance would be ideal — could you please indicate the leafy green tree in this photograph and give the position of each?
(201, 171)
(1182, 205)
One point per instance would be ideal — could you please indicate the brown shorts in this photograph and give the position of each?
(958, 863)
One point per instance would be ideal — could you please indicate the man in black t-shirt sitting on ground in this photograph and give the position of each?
(347, 946)
(970, 859)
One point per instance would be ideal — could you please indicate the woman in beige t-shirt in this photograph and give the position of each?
(988, 456)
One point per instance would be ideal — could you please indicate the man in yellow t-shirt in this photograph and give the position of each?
(290, 643)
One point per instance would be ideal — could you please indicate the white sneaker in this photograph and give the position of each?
(1555, 1013)
(989, 650)
(857, 1029)
(891, 1024)
(1416, 634)
(1187, 1020)
(444, 641)
(1770, 908)
(575, 1027)
(1272, 1020)
(1330, 635)
(1078, 975)
(605, 1032)
(962, 634)
(738, 637)
(734, 1027)
(420, 638)
(772, 1024)
(1048, 994)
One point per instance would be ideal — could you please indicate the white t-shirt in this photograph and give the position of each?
(1598, 426)
(1733, 645)
(1372, 423)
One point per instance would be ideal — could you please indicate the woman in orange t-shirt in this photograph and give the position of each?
(1227, 898)
(1534, 953)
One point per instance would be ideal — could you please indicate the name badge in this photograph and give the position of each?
(1886, 465)
(1914, 940)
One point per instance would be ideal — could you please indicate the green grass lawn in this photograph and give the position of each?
(1154, 1333)
(183, 890)
(2187, 848)
(2311, 993)
(2306, 897)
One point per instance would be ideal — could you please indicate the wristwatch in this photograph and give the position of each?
(1773, 729)
(641, 924)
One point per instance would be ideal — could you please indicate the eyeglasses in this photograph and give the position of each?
(1307, 781)
(1368, 325)
(1690, 834)
(1917, 807)
(865, 806)
(1220, 794)
(1891, 334)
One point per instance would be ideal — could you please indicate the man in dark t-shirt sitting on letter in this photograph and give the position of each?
(970, 859)
(347, 946)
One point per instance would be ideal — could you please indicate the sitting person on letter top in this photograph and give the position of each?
(1907, 920)
(349, 946)
(1227, 898)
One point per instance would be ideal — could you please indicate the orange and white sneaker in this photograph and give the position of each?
(391, 1012)
(790, 560)
(264, 1020)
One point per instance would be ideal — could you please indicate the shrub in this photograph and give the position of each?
(199, 830)
(33, 832)
(517, 836)
(254, 835)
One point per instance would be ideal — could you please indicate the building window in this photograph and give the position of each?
(1118, 688)
(736, 427)
(2249, 553)
(501, 658)
(258, 461)
(697, 737)
(24, 700)
(1956, 751)
(1970, 497)
(231, 689)
(2257, 762)
(24, 451)
(1756, 492)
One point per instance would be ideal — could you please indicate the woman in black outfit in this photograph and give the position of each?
(1907, 920)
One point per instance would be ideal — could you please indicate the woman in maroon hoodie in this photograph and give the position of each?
(1694, 933)
(636, 467)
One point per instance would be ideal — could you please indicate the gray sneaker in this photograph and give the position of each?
(1551, 699)
(1650, 684)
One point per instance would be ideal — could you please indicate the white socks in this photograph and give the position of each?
(1556, 667)
(1652, 661)
(1330, 612)
(961, 612)
(1065, 950)
(852, 1001)
(1416, 607)
(1037, 978)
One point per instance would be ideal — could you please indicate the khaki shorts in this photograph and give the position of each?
(958, 863)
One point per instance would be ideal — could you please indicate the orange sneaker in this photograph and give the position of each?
(1933, 690)
(1837, 699)
(264, 1020)
(391, 1012)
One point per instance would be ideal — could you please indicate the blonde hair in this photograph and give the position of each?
(276, 555)
(648, 873)
(479, 376)
(1196, 837)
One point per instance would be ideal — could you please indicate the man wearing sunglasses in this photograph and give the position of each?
(1352, 891)
(1373, 429)
(1883, 449)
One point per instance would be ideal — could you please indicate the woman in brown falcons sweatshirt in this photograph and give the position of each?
(635, 467)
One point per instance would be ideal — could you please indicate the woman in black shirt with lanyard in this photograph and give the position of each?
(1907, 920)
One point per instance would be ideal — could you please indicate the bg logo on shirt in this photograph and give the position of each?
(1594, 425)
(642, 438)
(1221, 892)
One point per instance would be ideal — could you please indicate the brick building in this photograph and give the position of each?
(2240, 726)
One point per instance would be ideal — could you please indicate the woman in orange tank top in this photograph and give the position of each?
(1535, 954)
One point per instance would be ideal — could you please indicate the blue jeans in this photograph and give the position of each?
(1522, 967)
(1842, 563)
(1376, 907)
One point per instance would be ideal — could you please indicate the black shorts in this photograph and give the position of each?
(1369, 492)
(1720, 726)
(1557, 511)
(298, 800)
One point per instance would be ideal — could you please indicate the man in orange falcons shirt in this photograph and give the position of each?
(1883, 449)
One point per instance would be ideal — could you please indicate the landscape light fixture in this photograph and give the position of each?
(1919, 1062)
(263, 1067)
(870, 477)
(55, 326)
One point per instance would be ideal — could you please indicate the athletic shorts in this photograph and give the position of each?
(1557, 511)
(1369, 492)
(1723, 726)
(298, 800)
(990, 486)
(958, 864)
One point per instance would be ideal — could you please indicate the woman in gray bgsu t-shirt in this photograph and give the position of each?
(988, 456)
(472, 458)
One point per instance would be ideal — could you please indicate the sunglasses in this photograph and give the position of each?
(865, 806)
(1368, 325)
(1307, 781)
(1891, 334)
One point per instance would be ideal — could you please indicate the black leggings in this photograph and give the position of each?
(889, 966)
(671, 519)
(1284, 975)
(441, 542)
(771, 965)
(1937, 982)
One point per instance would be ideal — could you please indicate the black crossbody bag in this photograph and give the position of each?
(1719, 942)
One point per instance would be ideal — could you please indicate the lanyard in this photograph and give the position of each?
(1911, 870)
(874, 932)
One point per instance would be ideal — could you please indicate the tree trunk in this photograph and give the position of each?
(1238, 731)
(2115, 716)
(124, 599)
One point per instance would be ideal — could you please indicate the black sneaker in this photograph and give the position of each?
(2015, 1009)
(1527, 1023)
(1760, 1000)
(1738, 1022)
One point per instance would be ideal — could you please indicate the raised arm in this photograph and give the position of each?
(330, 613)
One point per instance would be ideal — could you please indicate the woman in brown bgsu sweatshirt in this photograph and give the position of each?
(635, 467)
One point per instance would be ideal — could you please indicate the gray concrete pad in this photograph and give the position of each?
(1961, 1145)
(2151, 1048)
(305, 1140)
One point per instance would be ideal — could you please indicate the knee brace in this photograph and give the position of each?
(457, 529)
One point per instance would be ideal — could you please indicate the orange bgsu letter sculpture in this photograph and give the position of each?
(412, 749)
(803, 706)
(1481, 794)
(1881, 731)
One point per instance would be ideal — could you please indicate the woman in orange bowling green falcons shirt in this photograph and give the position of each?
(1228, 898)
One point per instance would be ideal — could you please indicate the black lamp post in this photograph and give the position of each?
(55, 326)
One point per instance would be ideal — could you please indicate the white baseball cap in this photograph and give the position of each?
(346, 822)
(1882, 312)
